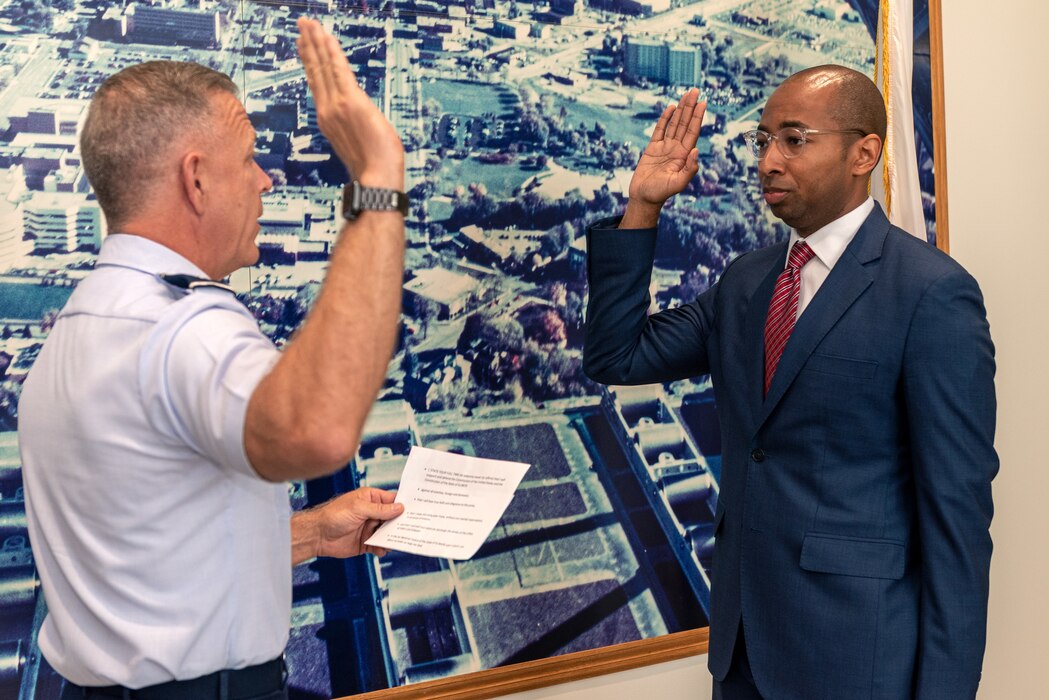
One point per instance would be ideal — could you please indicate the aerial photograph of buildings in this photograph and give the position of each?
(522, 122)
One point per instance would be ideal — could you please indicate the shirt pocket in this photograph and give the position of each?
(853, 556)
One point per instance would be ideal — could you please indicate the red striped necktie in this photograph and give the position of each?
(783, 311)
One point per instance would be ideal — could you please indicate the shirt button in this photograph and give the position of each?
(758, 455)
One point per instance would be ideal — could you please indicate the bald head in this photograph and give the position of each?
(855, 101)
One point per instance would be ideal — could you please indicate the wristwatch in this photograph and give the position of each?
(357, 198)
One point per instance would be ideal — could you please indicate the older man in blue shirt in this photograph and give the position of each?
(158, 425)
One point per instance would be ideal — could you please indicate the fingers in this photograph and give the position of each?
(377, 495)
(659, 133)
(675, 119)
(341, 74)
(691, 133)
(678, 122)
(362, 138)
(361, 506)
(683, 116)
(328, 72)
(310, 44)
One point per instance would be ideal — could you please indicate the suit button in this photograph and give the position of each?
(758, 455)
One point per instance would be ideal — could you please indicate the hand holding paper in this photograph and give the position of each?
(451, 503)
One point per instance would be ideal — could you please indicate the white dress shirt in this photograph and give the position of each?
(162, 554)
(828, 243)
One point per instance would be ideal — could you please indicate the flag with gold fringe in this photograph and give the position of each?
(895, 182)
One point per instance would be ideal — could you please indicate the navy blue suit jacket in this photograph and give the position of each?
(852, 527)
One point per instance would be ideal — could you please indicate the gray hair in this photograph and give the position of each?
(134, 116)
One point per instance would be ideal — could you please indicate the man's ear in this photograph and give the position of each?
(191, 176)
(867, 155)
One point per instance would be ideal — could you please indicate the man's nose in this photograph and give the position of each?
(773, 161)
(266, 181)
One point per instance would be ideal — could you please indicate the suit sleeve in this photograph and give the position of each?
(623, 344)
(949, 393)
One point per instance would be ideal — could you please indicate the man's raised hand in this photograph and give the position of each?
(669, 162)
(362, 137)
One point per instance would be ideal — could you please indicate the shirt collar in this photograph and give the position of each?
(829, 242)
(138, 253)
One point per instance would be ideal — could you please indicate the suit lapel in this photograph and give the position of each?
(846, 282)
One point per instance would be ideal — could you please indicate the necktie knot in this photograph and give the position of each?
(800, 254)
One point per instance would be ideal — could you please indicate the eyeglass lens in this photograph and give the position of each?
(790, 141)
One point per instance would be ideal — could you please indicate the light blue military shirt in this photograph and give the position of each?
(162, 554)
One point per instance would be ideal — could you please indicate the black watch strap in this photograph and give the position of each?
(357, 198)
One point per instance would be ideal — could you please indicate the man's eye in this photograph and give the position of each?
(795, 141)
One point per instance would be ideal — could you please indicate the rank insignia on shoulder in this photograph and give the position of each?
(190, 283)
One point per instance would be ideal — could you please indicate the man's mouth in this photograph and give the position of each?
(774, 196)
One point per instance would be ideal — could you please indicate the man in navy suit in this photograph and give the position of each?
(852, 546)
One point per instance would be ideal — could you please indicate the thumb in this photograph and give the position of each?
(380, 511)
(692, 162)
(689, 168)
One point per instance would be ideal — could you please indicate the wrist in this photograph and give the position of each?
(641, 214)
(390, 177)
(305, 536)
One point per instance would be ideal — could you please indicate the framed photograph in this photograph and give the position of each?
(522, 122)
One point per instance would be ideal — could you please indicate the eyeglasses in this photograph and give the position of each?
(791, 140)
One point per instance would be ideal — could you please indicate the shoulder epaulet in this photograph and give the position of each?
(189, 282)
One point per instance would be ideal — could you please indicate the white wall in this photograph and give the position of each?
(996, 101)
(684, 678)
(996, 59)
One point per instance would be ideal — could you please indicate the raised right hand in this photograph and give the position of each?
(363, 139)
(670, 159)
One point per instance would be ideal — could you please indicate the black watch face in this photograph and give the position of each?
(347, 202)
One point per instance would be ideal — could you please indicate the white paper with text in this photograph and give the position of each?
(452, 503)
